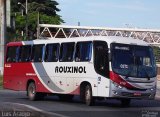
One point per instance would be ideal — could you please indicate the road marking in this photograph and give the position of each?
(37, 109)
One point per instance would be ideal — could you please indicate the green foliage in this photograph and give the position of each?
(156, 53)
(20, 22)
(46, 8)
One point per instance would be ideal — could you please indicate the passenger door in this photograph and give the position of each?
(101, 64)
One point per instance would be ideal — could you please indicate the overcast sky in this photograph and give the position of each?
(111, 13)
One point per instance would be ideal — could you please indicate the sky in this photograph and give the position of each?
(111, 13)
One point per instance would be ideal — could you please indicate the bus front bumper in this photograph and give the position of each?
(122, 92)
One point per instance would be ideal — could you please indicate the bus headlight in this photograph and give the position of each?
(117, 85)
(152, 89)
(120, 87)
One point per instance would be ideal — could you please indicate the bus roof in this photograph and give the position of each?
(108, 39)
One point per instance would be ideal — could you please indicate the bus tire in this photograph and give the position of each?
(31, 91)
(89, 100)
(125, 102)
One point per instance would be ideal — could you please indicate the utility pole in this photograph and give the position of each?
(3, 33)
(26, 12)
(27, 19)
(38, 25)
(79, 24)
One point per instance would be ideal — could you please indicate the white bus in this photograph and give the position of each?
(95, 67)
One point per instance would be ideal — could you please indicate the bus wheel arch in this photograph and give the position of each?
(32, 93)
(86, 93)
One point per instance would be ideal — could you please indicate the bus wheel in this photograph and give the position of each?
(89, 100)
(125, 102)
(31, 91)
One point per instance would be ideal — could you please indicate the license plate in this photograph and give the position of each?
(137, 94)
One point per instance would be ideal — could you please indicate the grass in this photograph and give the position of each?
(1, 82)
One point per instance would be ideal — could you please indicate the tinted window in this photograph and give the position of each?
(101, 61)
(133, 60)
(66, 52)
(83, 51)
(52, 53)
(13, 54)
(37, 53)
(25, 53)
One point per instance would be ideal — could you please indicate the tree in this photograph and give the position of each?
(156, 51)
(47, 10)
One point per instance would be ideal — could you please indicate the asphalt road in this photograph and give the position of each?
(51, 106)
(13, 101)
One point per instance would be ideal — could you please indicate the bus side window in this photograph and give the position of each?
(101, 59)
(52, 52)
(13, 54)
(37, 53)
(25, 55)
(83, 51)
(66, 52)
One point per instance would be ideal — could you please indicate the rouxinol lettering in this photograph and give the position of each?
(66, 69)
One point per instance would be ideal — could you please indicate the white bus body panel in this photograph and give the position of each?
(66, 83)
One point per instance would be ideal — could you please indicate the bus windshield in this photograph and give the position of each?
(133, 60)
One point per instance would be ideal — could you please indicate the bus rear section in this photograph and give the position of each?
(18, 68)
